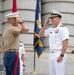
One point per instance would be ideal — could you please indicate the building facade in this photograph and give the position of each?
(27, 14)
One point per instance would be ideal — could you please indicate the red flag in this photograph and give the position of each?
(14, 9)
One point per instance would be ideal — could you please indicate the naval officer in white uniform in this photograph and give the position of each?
(21, 57)
(58, 42)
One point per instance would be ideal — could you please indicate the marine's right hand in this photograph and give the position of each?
(18, 20)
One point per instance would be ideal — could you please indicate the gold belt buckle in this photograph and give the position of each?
(52, 51)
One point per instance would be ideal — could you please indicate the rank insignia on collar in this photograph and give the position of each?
(61, 25)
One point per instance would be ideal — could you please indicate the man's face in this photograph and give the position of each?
(13, 21)
(55, 20)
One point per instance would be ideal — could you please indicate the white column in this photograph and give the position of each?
(0, 21)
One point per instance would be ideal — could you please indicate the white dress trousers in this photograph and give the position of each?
(56, 68)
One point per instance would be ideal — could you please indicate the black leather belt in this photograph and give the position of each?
(12, 50)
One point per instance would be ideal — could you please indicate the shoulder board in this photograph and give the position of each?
(20, 42)
(62, 26)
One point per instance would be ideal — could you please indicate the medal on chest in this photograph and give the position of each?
(56, 32)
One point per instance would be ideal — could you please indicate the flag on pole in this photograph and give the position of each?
(14, 8)
(38, 45)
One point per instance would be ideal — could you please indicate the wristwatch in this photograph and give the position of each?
(21, 22)
(62, 55)
(23, 65)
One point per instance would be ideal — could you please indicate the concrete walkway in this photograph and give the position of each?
(41, 65)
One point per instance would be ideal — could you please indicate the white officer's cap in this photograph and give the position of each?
(10, 15)
(55, 13)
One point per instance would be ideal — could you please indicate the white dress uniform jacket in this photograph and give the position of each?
(21, 51)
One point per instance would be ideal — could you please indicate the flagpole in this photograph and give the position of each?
(38, 46)
(34, 72)
(34, 60)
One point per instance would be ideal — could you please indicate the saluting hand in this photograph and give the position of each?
(47, 21)
(18, 20)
